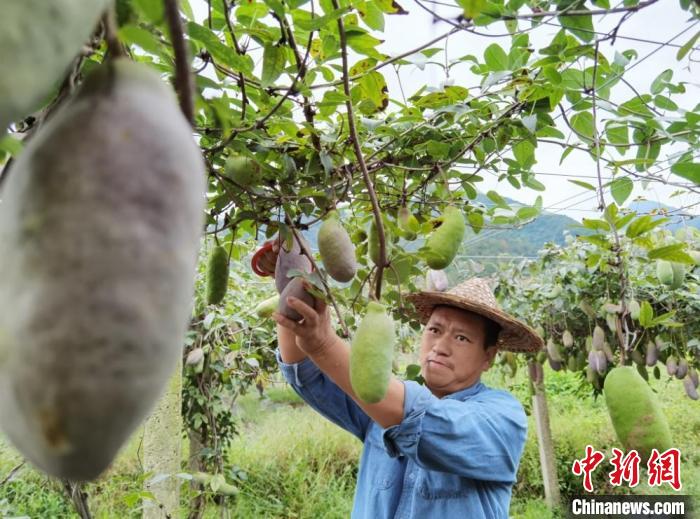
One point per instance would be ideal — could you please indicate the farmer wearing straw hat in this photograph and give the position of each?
(449, 449)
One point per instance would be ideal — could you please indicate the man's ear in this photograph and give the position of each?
(491, 352)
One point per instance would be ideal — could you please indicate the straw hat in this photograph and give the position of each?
(476, 296)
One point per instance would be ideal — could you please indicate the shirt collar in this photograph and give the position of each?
(467, 391)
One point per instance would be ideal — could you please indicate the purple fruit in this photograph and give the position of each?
(690, 388)
(289, 260)
(682, 369)
(294, 288)
(652, 354)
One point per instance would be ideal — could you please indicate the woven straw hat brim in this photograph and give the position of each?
(515, 336)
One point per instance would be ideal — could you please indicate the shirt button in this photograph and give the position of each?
(411, 476)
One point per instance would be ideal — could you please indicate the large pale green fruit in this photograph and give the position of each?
(371, 354)
(244, 171)
(100, 225)
(38, 41)
(336, 249)
(635, 412)
(443, 243)
(670, 273)
(266, 307)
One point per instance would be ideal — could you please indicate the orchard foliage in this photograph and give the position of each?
(594, 283)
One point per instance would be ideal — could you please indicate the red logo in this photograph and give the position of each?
(665, 468)
(587, 465)
(626, 468)
(662, 468)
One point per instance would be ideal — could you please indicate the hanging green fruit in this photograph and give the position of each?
(38, 41)
(336, 249)
(635, 412)
(217, 275)
(266, 308)
(444, 242)
(244, 171)
(371, 354)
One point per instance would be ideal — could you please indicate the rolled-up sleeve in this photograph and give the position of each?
(480, 438)
(324, 396)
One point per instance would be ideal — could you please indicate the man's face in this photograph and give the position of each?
(452, 353)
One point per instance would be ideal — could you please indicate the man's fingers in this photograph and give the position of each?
(286, 322)
(309, 314)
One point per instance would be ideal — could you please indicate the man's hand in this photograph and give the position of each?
(314, 333)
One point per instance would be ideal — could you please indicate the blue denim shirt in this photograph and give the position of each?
(452, 457)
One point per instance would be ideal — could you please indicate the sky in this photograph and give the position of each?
(661, 22)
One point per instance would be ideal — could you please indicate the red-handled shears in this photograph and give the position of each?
(256, 258)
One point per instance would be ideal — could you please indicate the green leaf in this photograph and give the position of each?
(496, 58)
(618, 135)
(314, 24)
(497, 199)
(661, 80)
(371, 14)
(472, 8)
(274, 60)
(665, 103)
(524, 153)
(527, 213)
(643, 224)
(663, 318)
(372, 90)
(218, 50)
(531, 182)
(596, 225)
(687, 46)
(647, 155)
(579, 26)
(151, 9)
(476, 220)
(364, 44)
(687, 170)
(621, 189)
(135, 35)
(585, 185)
(624, 220)
(276, 7)
(390, 7)
(9, 144)
(646, 314)
(582, 123)
(675, 252)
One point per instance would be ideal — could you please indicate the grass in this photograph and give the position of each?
(291, 463)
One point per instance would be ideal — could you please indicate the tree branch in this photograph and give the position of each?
(78, 497)
(184, 82)
(109, 20)
(360, 158)
(239, 51)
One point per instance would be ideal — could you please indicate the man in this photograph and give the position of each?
(448, 449)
